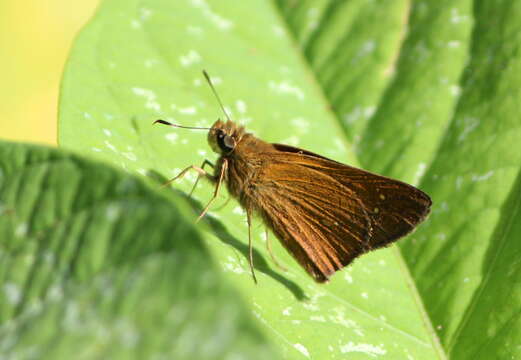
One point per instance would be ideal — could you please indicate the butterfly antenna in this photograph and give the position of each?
(215, 93)
(179, 126)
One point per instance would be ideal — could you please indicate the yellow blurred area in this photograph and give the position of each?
(35, 38)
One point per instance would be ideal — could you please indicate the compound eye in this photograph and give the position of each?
(226, 143)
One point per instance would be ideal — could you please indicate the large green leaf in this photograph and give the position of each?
(96, 263)
(425, 91)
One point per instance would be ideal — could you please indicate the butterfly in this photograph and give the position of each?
(324, 213)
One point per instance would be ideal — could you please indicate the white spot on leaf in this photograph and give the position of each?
(216, 80)
(112, 212)
(367, 349)
(234, 267)
(302, 349)
(129, 155)
(340, 318)
(217, 20)
(419, 172)
(278, 30)
(241, 106)
(310, 306)
(55, 293)
(469, 125)
(21, 230)
(150, 97)
(313, 16)
(12, 292)
(301, 124)
(454, 44)
(318, 318)
(367, 48)
(456, 17)
(369, 111)
(238, 210)
(459, 182)
(145, 13)
(285, 87)
(172, 137)
(135, 24)
(484, 177)
(110, 146)
(353, 116)
(188, 110)
(191, 58)
(455, 90)
(348, 277)
(150, 62)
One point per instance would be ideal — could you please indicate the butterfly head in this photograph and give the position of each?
(223, 137)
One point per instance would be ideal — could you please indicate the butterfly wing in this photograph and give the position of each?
(326, 213)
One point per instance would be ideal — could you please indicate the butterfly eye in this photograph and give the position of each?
(226, 143)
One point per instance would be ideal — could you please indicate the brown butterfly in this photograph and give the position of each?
(325, 213)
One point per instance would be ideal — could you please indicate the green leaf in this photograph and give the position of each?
(421, 91)
(466, 259)
(97, 263)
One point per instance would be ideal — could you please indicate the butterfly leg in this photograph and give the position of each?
(217, 188)
(268, 245)
(200, 171)
(212, 179)
(250, 246)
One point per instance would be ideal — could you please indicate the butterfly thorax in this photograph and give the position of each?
(244, 155)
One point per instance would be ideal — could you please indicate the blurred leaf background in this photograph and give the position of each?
(35, 38)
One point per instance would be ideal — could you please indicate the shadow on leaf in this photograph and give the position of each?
(259, 262)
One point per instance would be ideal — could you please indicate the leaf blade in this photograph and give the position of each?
(80, 271)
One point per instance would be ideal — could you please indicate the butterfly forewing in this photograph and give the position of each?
(326, 213)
